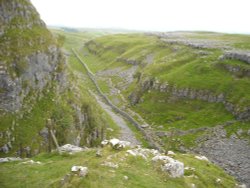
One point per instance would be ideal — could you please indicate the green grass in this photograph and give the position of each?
(240, 41)
(64, 118)
(161, 109)
(140, 173)
(183, 67)
(52, 105)
(177, 65)
(75, 39)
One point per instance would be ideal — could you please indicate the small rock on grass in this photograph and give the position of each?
(171, 153)
(80, 170)
(9, 159)
(218, 180)
(98, 153)
(202, 158)
(110, 164)
(174, 168)
(31, 162)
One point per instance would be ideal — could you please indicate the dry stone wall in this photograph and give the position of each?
(146, 135)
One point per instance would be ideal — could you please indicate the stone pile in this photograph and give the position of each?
(116, 143)
(71, 148)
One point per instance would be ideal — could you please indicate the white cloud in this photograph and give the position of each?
(164, 15)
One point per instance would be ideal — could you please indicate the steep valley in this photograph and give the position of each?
(182, 96)
(182, 86)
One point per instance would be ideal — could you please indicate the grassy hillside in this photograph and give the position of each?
(138, 171)
(180, 67)
(154, 80)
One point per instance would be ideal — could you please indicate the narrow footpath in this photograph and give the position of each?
(125, 132)
(151, 138)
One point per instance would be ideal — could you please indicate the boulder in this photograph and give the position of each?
(9, 159)
(131, 152)
(193, 185)
(98, 153)
(241, 186)
(144, 153)
(163, 158)
(144, 126)
(110, 129)
(174, 168)
(114, 142)
(202, 158)
(124, 144)
(218, 181)
(104, 142)
(70, 148)
(110, 164)
(80, 170)
(31, 162)
(171, 153)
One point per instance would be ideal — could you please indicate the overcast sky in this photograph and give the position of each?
(156, 15)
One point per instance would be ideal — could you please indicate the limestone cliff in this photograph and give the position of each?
(34, 87)
(29, 57)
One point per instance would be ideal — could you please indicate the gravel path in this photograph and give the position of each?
(125, 133)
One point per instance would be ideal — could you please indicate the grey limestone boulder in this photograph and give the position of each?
(174, 168)
(80, 170)
(70, 148)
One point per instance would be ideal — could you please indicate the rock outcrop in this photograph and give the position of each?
(169, 165)
(27, 63)
(30, 62)
(34, 79)
(189, 93)
(238, 55)
(236, 70)
(71, 148)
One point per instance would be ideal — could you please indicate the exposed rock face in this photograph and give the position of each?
(30, 63)
(238, 55)
(189, 93)
(24, 66)
(10, 92)
(236, 70)
(11, 10)
(230, 153)
(9, 159)
(193, 43)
